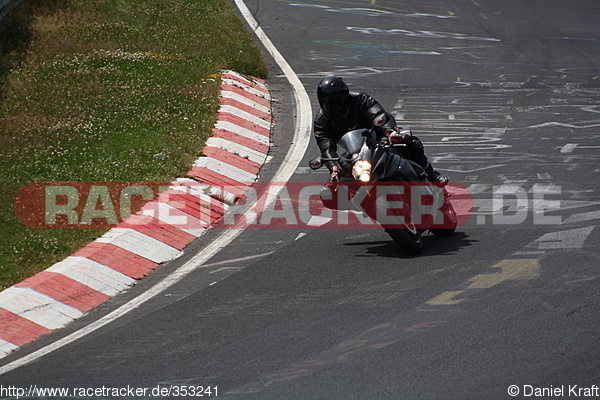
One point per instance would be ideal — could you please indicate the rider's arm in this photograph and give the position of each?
(371, 110)
(326, 142)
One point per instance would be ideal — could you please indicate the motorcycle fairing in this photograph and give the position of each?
(410, 171)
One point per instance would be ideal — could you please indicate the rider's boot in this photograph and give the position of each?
(435, 176)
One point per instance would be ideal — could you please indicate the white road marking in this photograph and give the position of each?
(571, 239)
(583, 217)
(235, 260)
(300, 235)
(568, 148)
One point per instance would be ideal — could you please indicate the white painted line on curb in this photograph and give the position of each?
(204, 191)
(228, 170)
(240, 130)
(246, 101)
(93, 274)
(236, 148)
(246, 85)
(249, 89)
(171, 215)
(140, 244)
(245, 115)
(52, 315)
(6, 348)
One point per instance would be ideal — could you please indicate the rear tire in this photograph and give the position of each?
(409, 239)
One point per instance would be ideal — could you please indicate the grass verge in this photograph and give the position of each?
(106, 90)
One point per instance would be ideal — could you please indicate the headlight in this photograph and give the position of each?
(361, 170)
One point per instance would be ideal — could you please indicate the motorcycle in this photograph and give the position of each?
(389, 188)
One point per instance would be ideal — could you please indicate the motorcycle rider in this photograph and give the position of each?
(342, 111)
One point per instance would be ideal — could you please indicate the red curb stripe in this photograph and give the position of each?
(65, 290)
(162, 231)
(244, 93)
(119, 259)
(18, 330)
(215, 179)
(245, 107)
(232, 159)
(208, 202)
(191, 205)
(242, 140)
(244, 123)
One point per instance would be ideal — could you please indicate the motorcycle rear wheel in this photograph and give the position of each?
(409, 239)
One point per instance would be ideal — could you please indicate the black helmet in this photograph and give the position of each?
(333, 94)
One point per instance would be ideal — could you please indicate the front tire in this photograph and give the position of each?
(451, 221)
(409, 239)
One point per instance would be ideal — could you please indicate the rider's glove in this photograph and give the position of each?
(395, 137)
(335, 171)
(398, 136)
(443, 179)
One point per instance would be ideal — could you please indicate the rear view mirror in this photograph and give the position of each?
(380, 120)
(315, 163)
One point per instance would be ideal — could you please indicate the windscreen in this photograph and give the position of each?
(351, 143)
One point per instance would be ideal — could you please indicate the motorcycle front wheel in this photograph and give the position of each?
(451, 221)
(409, 239)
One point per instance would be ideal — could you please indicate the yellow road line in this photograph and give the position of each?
(507, 270)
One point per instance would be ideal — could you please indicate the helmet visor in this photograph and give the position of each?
(334, 105)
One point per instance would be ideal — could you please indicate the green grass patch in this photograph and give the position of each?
(107, 90)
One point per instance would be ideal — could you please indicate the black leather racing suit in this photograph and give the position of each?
(362, 109)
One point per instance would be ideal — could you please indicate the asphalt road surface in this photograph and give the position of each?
(505, 96)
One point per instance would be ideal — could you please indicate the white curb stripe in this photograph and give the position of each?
(240, 80)
(246, 101)
(203, 192)
(169, 214)
(236, 148)
(38, 308)
(140, 244)
(240, 130)
(6, 348)
(243, 79)
(235, 173)
(93, 274)
(245, 115)
(249, 89)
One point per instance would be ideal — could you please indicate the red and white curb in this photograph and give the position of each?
(114, 262)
